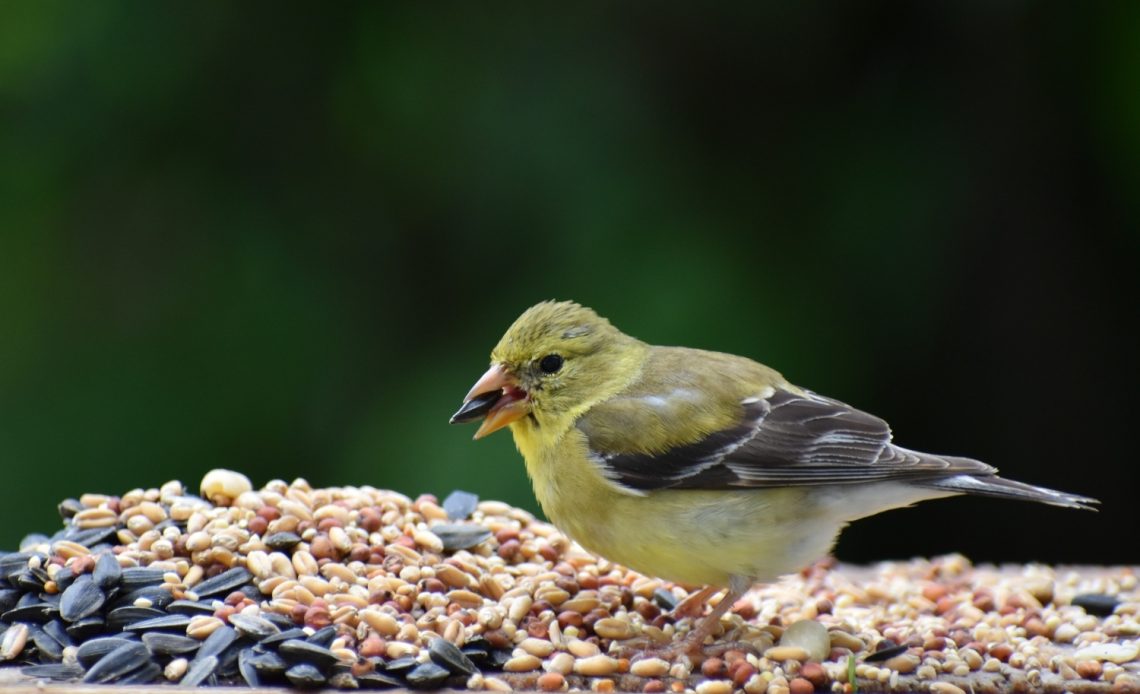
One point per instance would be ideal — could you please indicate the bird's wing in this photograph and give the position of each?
(784, 439)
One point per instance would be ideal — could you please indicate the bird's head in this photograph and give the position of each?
(556, 360)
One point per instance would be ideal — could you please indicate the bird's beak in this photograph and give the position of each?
(496, 397)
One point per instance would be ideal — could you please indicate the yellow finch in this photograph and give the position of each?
(698, 467)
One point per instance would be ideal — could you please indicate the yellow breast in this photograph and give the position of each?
(694, 537)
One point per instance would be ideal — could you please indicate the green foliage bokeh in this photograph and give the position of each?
(284, 240)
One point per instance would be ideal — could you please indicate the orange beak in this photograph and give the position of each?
(497, 398)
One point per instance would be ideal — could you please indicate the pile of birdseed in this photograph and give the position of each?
(367, 588)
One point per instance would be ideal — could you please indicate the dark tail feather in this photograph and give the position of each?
(992, 485)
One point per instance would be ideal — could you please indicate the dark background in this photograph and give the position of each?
(238, 235)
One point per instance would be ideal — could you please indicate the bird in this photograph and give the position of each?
(699, 467)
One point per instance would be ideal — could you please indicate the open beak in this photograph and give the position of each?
(497, 398)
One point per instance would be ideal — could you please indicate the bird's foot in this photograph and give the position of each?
(717, 649)
(694, 605)
(692, 644)
(642, 648)
(695, 650)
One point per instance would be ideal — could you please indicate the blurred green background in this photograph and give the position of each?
(283, 239)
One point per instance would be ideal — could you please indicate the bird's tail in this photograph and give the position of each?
(992, 485)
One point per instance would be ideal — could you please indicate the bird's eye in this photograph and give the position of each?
(550, 363)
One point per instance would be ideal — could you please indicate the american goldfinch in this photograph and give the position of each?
(698, 467)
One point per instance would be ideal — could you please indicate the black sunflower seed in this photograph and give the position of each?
(58, 631)
(283, 541)
(446, 654)
(477, 655)
(255, 628)
(117, 663)
(1097, 604)
(86, 628)
(198, 671)
(120, 617)
(498, 658)
(53, 671)
(225, 582)
(157, 596)
(305, 676)
(268, 664)
(665, 599)
(323, 637)
(170, 621)
(46, 646)
(37, 613)
(217, 642)
(477, 648)
(884, 650)
(29, 599)
(252, 592)
(377, 680)
(286, 635)
(41, 575)
(64, 577)
(31, 580)
(170, 644)
(228, 659)
(246, 668)
(476, 407)
(82, 599)
(107, 571)
(426, 676)
(400, 666)
(68, 508)
(190, 607)
(147, 673)
(297, 651)
(283, 622)
(91, 537)
(89, 652)
(50, 598)
(139, 577)
(460, 505)
(8, 598)
(457, 537)
(343, 680)
(14, 563)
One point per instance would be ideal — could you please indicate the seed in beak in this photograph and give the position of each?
(476, 407)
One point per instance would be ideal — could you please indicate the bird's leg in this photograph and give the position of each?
(693, 642)
(692, 607)
(694, 604)
(695, 639)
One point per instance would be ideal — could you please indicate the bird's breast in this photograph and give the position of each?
(569, 486)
